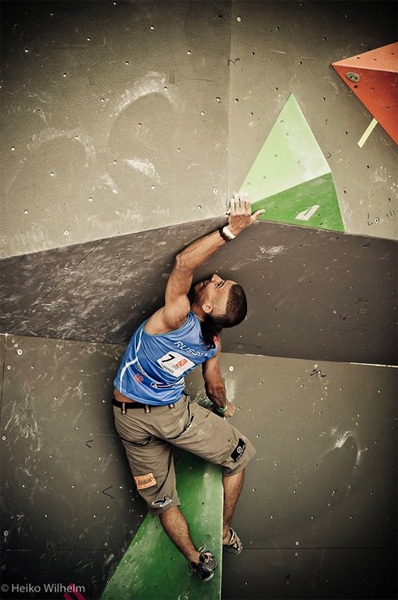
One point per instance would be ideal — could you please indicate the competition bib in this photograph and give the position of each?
(175, 364)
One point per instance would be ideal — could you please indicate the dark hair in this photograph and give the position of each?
(235, 312)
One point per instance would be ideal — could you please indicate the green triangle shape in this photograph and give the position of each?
(291, 159)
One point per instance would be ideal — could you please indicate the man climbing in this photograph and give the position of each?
(152, 413)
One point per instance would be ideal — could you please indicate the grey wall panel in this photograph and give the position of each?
(312, 294)
(2, 361)
(110, 118)
(124, 276)
(320, 494)
(68, 507)
(121, 117)
(324, 477)
(284, 574)
(308, 294)
(27, 280)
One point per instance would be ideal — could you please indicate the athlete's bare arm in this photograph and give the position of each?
(174, 313)
(214, 385)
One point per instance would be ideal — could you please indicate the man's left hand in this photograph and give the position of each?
(228, 413)
(240, 216)
(230, 410)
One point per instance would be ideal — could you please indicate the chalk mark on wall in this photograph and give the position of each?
(151, 83)
(100, 157)
(340, 440)
(22, 423)
(48, 135)
(144, 166)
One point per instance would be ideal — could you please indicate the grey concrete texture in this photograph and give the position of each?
(311, 294)
(318, 511)
(119, 117)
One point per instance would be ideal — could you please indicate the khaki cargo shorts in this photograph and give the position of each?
(148, 438)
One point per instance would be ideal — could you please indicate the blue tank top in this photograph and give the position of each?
(153, 368)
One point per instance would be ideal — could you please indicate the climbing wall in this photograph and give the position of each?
(317, 515)
(302, 284)
(67, 498)
(319, 499)
(114, 118)
(139, 115)
(125, 126)
(283, 48)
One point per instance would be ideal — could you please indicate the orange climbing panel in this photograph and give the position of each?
(373, 77)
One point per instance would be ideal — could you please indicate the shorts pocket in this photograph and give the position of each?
(183, 427)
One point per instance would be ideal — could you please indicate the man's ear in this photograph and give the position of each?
(207, 308)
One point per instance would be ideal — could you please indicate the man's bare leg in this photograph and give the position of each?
(232, 489)
(175, 525)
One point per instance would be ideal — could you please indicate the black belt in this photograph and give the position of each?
(125, 406)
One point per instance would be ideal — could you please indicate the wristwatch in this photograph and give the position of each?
(226, 234)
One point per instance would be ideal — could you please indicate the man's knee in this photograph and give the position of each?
(163, 504)
(158, 492)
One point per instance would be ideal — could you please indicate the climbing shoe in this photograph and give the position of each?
(234, 546)
(205, 567)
